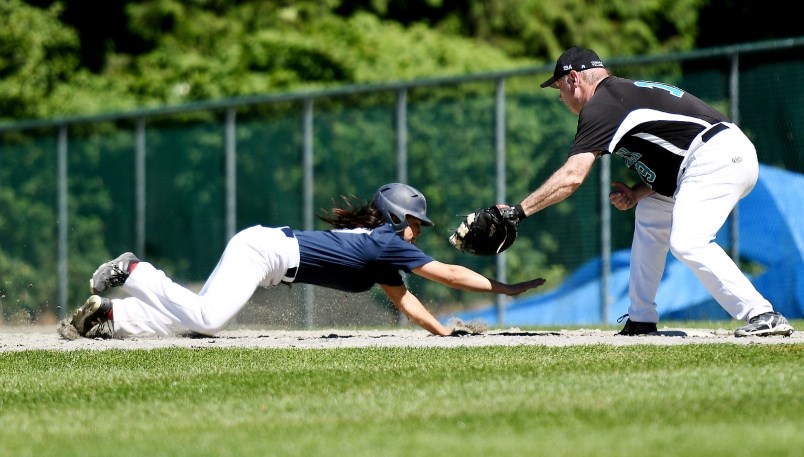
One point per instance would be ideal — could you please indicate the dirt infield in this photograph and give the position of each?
(46, 337)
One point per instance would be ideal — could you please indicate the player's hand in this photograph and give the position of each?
(518, 288)
(622, 197)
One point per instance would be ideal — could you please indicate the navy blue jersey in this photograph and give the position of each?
(650, 125)
(354, 260)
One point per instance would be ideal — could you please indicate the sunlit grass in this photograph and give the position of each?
(714, 399)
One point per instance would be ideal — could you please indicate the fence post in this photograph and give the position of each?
(734, 103)
(402, 135)
(307, 165)
(139, 170)
(499, 137)
(605, 237)
(61, 157)
(401, 159)
(231, 173)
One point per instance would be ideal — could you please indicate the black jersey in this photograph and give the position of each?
(650, 125)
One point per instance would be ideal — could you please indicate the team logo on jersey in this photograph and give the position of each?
(632, 161)
(630, 157)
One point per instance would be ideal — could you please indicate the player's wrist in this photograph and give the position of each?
(520, 213)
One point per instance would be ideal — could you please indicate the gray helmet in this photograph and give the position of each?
(397, 200)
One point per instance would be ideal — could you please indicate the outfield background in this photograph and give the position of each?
(173, 184)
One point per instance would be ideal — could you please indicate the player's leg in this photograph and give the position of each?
(243, 266)
(131, 316)
(722, 172)
(181, 306)
(160, 306)
(257, 256)
(648, 256)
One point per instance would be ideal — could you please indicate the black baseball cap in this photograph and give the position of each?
(575, 58)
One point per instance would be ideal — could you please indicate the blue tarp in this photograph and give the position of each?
(771, 234)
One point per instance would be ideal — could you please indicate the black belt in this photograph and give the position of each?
(290, 275)
(713, 130)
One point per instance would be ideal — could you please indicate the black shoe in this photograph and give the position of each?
(636, 328)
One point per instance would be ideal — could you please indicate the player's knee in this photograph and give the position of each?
(214, 324)
(206, 328)
(686, 247)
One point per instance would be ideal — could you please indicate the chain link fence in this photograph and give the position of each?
(174, 184)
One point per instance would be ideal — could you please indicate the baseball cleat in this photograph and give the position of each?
(766, 324)
(632, 328)
(112, 273)
(95, 311)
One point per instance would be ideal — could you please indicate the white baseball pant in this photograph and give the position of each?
(256, 256)
(714, 177)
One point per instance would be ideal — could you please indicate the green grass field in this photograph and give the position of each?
(599, 400)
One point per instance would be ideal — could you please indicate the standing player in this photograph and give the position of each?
(694, 167)
(368, 245)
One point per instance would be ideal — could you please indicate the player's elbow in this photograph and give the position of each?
(577, 169)
(456, 277)
(447, 274)
(574, 178)
(573, 185)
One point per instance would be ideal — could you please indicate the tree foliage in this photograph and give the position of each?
(541, 29)
(173, 52)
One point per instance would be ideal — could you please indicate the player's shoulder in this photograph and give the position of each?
(645, 88)
(387, 237)
(383, 231)
(382, 235)
(616, 86)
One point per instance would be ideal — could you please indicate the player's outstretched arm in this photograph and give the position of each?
(460, 277)
(408, 304)
(411, 307)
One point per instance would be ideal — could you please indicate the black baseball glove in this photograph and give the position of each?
(488, 231)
